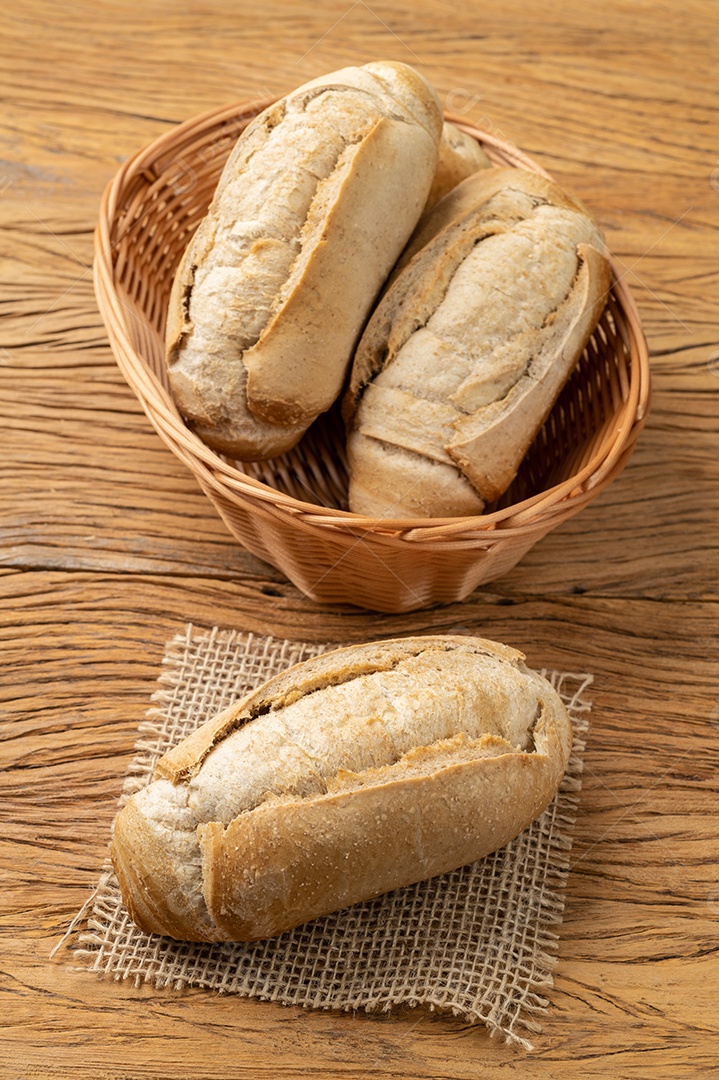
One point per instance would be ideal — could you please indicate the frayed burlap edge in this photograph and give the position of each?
(532, 873)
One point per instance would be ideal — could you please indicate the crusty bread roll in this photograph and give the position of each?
(360, 771)
(459, 156)
(316, 202)
(485, 316)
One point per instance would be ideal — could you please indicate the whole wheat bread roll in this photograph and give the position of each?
(360, 771)
(315, 203)
(459, 156)
(482, 322)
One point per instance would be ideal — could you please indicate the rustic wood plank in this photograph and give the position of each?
(78, 432)
(108, 547)
(639, 916)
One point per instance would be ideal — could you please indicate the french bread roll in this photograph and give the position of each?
(459, 156)
(483, 320)
(360, 771)
(315, 203)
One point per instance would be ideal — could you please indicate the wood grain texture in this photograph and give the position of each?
(108, 547)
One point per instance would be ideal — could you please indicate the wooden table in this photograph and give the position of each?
(108, 546)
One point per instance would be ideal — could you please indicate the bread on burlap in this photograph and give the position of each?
(351, 774)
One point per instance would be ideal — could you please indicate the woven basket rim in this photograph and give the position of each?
(539, 512)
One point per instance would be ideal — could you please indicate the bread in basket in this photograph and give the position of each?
(290, 510)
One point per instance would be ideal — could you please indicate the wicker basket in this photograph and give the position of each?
(290, 511)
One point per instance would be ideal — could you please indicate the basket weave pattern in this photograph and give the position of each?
(291, 511)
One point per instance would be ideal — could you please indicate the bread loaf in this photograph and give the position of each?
(459, 156)
(317, 200)
(360, 771)
(483, 321)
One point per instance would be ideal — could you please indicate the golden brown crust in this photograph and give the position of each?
(323, 306)
(328, 669)
(460, 155)
(365, 842)
(151, 887)
(489, 456)
(486, 314)
(313, 207)
(293, 856)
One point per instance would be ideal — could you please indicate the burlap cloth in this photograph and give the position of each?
(480, 942)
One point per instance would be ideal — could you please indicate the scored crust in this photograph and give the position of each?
(204, 853)
(459, 156)
(486, 314)
(314, 205)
